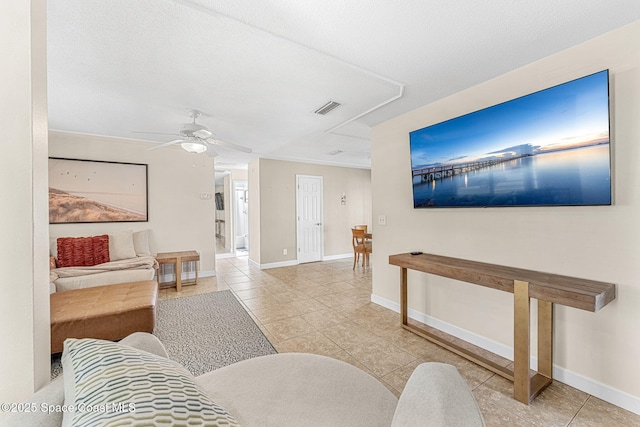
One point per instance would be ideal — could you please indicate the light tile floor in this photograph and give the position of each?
(325, 308)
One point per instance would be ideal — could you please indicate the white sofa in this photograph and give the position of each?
(131, 261)
(289, 389)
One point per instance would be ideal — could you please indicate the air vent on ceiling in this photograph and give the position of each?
(329, 106)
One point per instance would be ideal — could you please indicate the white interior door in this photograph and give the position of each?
(309, 215)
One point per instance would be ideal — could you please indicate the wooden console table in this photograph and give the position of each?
(177, 258)
(547, 288)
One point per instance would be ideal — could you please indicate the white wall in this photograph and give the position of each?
(179, 220)
(598, 352)
(24, 305)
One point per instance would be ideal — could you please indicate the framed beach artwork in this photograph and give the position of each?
(97, 191)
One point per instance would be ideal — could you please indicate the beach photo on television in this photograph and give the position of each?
(547, 148)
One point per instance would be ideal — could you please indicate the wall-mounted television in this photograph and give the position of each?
(548, 148)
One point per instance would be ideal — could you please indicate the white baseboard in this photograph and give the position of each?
(274, 264)
(335, 257)
(295, 261)
(602, 391)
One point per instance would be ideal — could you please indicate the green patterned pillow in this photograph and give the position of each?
(107, 383)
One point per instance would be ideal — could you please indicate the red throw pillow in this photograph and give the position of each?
(83, 251)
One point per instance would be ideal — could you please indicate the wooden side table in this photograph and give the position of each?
(177, 258)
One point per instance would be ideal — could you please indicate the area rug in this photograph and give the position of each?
(204, 332)
(208, 331)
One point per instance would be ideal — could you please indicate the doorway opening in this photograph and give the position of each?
(223, 201)
(232, 216)
(241, 217)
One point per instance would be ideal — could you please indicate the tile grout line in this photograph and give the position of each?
(578, 411)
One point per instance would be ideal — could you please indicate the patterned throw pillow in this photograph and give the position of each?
(112, 384)
(83, 251)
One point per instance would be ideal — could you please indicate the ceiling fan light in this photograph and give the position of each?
(202, 133)
(194, 147)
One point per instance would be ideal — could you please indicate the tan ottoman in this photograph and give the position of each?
(108, 312)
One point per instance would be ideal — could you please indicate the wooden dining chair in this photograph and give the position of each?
(367, 236)
(360, 246)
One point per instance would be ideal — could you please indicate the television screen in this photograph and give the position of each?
(543, 149)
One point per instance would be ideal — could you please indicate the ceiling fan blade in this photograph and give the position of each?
(155, 133)
(166, 144)
(202, 133)
(230, 145)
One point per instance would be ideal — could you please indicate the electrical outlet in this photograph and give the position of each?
(284, 252)
(205, 196)
(382, 220)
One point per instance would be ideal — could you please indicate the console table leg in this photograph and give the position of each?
(545, 338)
(521, 341)
(403, 296)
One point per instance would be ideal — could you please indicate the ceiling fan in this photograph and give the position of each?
(196, 138)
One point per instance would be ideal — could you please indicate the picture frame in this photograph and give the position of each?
(90, 191)
(546, 148)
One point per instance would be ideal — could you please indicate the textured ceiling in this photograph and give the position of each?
(259, 69)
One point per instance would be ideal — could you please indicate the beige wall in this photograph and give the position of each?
(24, 306)
(239, 175)
(178, 218)
(276, 217)
(599, 349)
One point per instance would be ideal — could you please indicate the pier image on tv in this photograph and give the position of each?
(544, 149)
